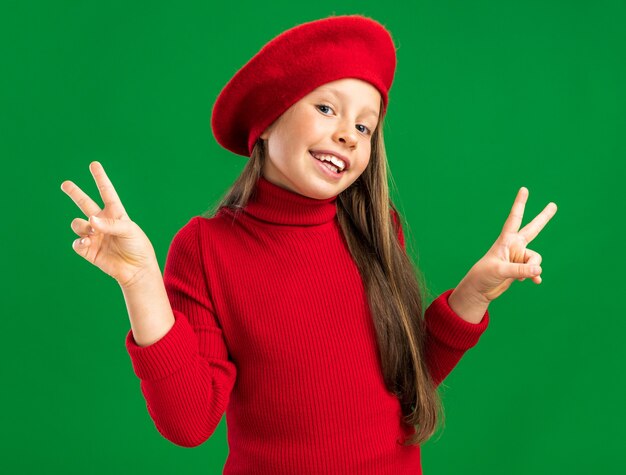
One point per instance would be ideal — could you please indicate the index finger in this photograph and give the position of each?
(105, 187)
(533, 228)
(82, 200)
(514, 220)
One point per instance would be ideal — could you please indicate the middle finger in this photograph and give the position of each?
(514, 220)
(106, 188)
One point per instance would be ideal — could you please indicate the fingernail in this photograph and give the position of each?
(536, 270)
(82, 241)
(91, 231)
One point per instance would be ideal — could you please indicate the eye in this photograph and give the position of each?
(368, 130)
(319, 106)
(324, 106)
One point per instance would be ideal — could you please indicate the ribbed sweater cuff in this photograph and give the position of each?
(167, 355)
(449, 328)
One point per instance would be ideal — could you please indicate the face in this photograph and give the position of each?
(338, 117)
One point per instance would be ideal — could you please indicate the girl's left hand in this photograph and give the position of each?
(509, 258)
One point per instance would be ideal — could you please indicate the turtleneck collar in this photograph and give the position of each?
(277, 205)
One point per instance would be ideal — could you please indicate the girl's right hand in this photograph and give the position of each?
(116, 245)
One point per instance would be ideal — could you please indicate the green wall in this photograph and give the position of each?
(488, 96)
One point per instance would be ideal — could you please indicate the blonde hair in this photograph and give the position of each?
(364, 212)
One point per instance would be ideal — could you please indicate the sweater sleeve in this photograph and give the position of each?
(186, 377)
(448, 336)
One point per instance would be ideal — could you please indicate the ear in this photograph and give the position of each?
(266, 132)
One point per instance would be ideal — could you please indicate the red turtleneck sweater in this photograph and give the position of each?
(273, 328)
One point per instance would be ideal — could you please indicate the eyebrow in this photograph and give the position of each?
(340, 94)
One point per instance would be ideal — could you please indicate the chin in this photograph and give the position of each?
(328, 190)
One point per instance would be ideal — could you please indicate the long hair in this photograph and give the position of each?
(371, 223)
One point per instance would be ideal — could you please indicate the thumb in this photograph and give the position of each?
(115, 227)
(522, 271)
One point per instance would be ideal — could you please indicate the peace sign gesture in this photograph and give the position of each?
(509, 258)
(110, 240)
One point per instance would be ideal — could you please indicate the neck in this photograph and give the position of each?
(274, 204)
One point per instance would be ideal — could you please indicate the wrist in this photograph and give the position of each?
(467, 303)
(142, 277)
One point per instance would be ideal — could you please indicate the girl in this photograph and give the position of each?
(293, 307)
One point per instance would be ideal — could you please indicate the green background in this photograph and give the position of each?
(488, 96)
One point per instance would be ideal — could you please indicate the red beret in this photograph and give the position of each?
(293, 64)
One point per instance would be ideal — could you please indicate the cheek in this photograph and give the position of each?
(311, 124)
(366, 158)
(278, 144)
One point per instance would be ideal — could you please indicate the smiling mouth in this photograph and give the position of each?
(329, 165)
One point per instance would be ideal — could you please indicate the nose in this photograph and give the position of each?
(346, 135)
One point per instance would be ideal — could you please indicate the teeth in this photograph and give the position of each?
(331, 167)
(331, 158)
